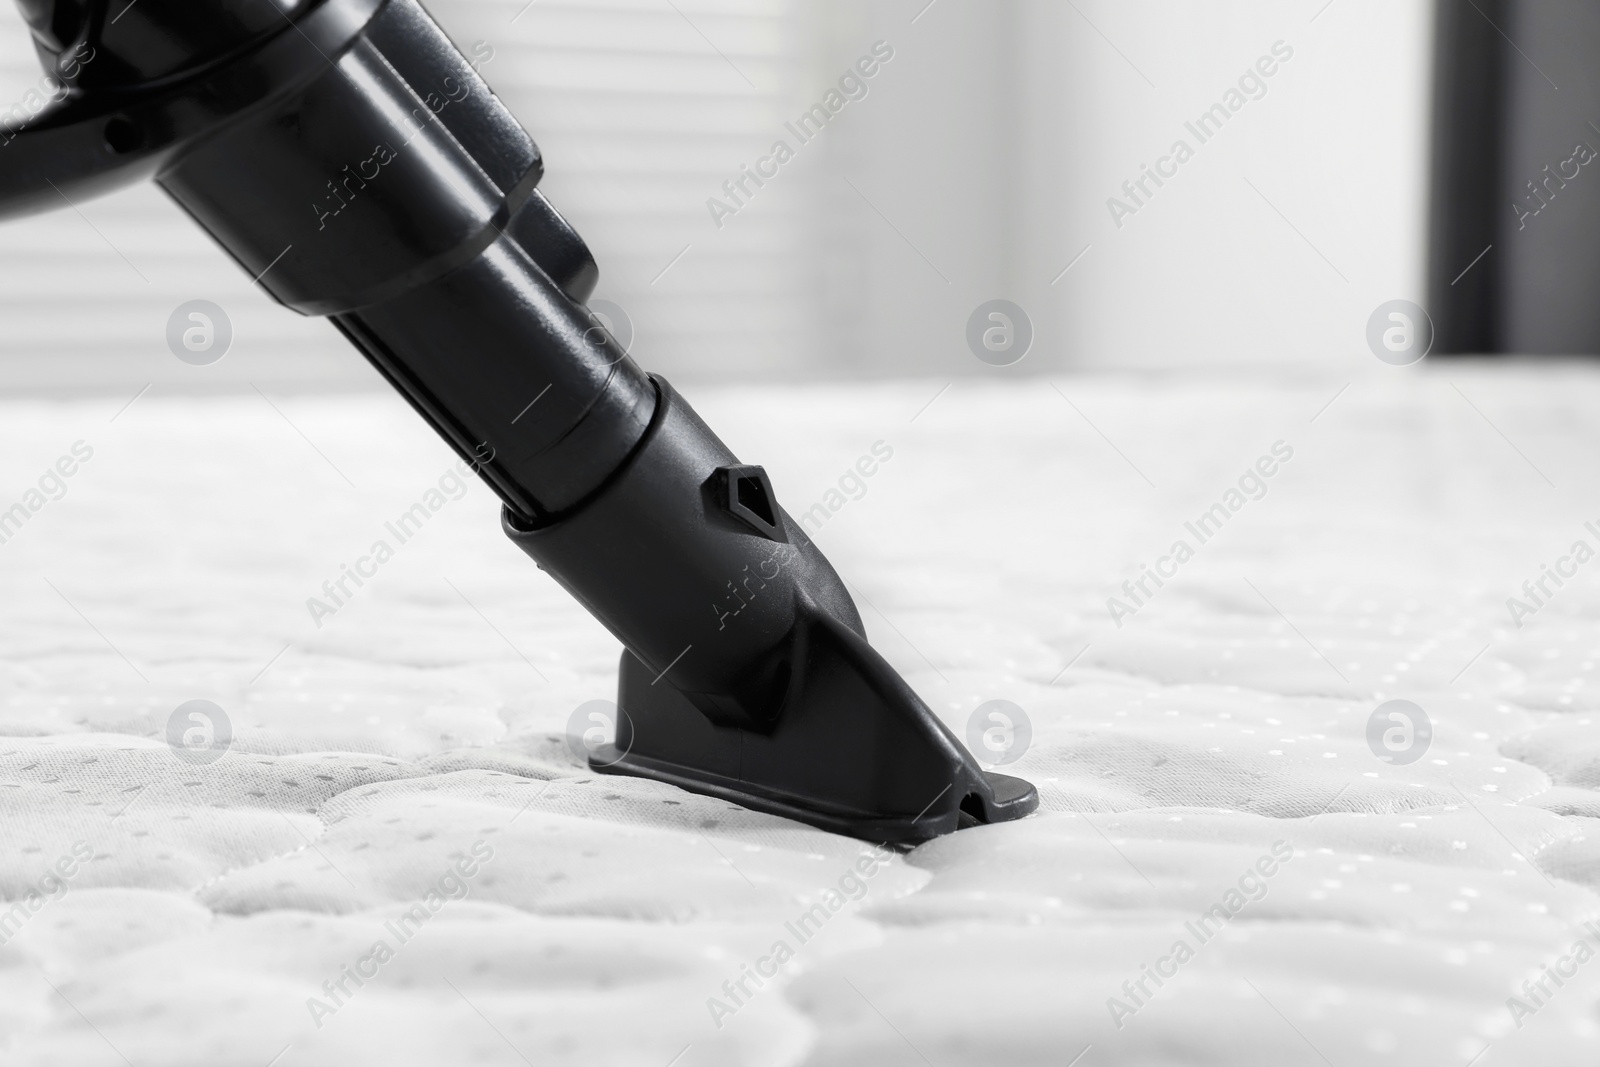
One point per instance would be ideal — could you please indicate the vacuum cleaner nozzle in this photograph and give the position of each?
(747, 673)
(352, 161)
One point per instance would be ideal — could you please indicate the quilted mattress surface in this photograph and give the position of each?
(397, 856)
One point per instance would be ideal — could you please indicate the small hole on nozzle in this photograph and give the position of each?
(753, 495)
(123, 135)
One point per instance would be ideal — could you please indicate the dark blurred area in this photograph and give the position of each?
(1513, 258)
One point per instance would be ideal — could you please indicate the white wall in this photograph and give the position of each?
(1208, 273)
(978, 166)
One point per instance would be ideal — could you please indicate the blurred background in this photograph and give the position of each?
(986, 157)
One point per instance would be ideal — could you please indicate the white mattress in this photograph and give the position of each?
(426, 718)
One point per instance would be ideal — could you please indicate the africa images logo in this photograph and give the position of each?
(1399, 732)
(199, 731)
(998, 732)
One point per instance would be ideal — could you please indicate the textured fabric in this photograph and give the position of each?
(399, 770)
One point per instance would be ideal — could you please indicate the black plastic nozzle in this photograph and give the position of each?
(353, 162)
(748, 674)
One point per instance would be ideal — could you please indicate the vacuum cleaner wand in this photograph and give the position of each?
(352, 161)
